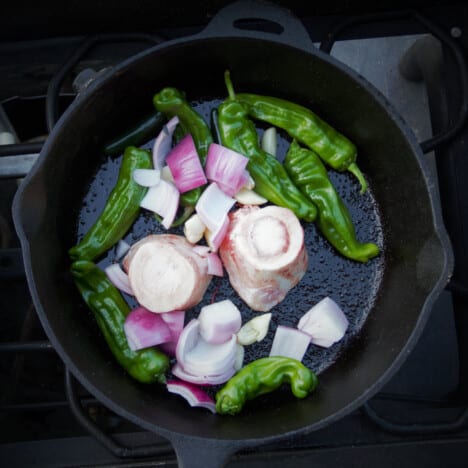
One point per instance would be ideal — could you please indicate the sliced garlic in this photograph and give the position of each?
(246, 196)
(166, 174)
(254, 330)
(194, 229)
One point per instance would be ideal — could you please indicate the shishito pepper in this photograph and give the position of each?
(172, 102)
(272, 182)
(110, 310)
(121, 209)
(309, 174)
(263, 376)
(143, 131)
(301, 123)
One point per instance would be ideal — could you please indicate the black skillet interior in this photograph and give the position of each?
(391, 291)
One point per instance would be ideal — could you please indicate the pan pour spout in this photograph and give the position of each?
(264, 254)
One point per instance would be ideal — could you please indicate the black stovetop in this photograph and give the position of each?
(418, 419)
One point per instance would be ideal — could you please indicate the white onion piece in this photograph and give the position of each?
(325, 323)
(240, 353)
(163, 142)
(188, 339)
(213, 206)
(180, 372)
(194, 395)
(194, 229)
(144, 329)
(162, 199)
(269, 141)
(219, 321)
(254, 330)
(175, 321)
(210, 359)
(146, 177)
(215, 267)
(246, 196)
(121, 249)
(226, 168)
(290, 342)
(119, 278)
(214, 239)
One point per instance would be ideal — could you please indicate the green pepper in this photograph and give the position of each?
(110, 310)
(301, 123)
(263, 376)
(172, 103)
(121, 209)
(334, 220)
(143, 131)
(214, 126)
(272, 182)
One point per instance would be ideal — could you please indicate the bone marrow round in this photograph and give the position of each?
(166, 273)
(264, 254)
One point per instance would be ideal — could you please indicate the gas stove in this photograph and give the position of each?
(420, 418)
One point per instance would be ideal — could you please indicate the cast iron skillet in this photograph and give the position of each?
(395, 291)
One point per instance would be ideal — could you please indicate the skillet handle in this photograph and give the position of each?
(258, 19)
(203, 453)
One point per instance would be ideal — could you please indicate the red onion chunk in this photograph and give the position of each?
(169, 348)
(175, 321)
(202, 250)
(188, 339)
(325, 323)
(200, 359)
(215, 267)
(213, 206)
(219, 321)
(185, 165)
(210, 359)
(215, 238)
(119, 278)
(144, 329)
(122, 248)
(194, 395)
(163, 142)
(201, 379)
(147, 177)
(162, 199)
(290, 342)
(226, 168)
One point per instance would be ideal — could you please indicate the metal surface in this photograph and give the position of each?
(16, 166)
(116, 448)
(53, 90)
(445, 135)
